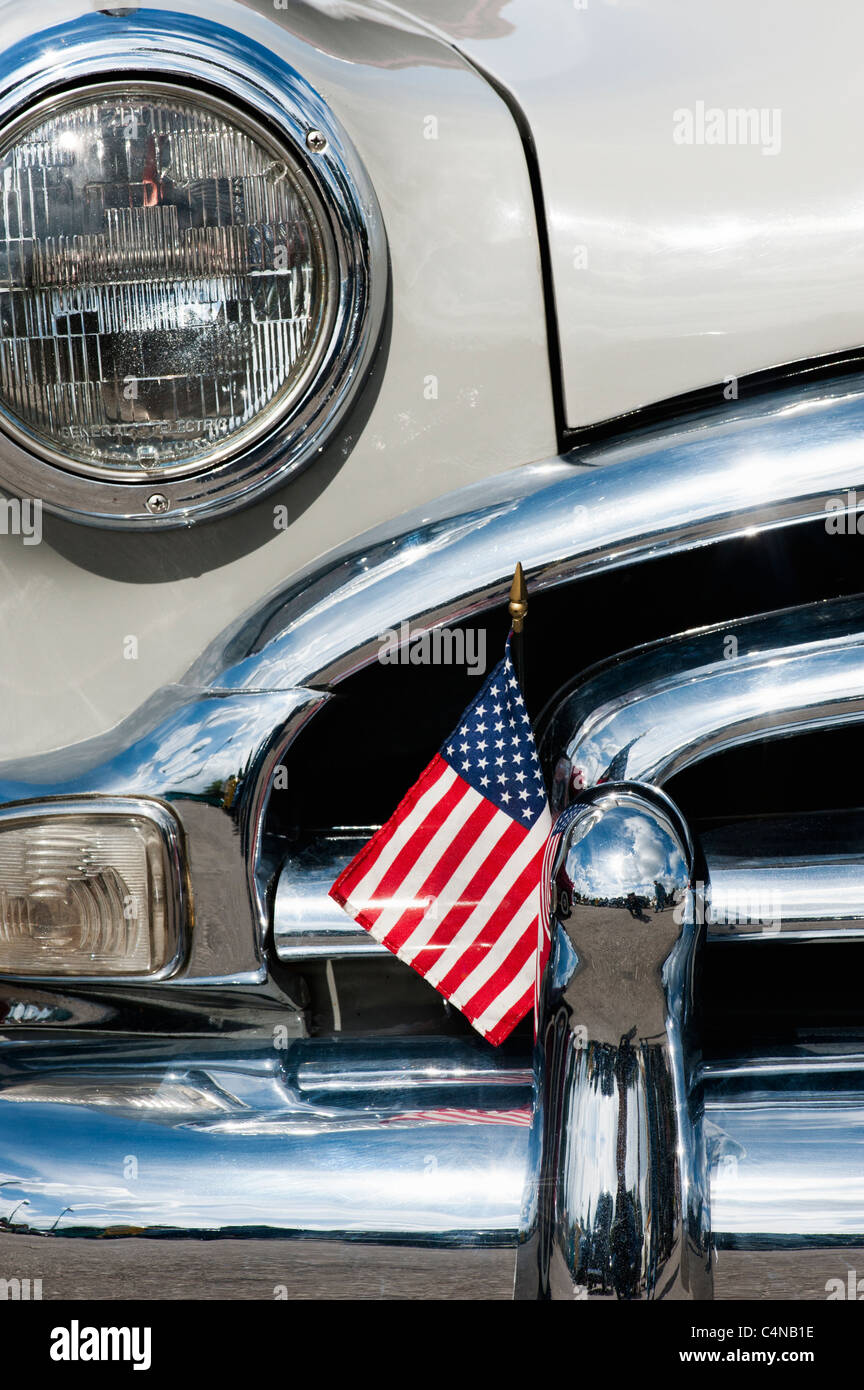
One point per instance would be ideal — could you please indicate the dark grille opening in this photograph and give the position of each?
(797, 795)
(775, 995)
(810, 772)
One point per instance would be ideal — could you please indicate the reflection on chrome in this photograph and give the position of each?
(620, 1199)
(425, 1142)
(600, 507)
(336, 1138)
(785, 1137)
(210, 756)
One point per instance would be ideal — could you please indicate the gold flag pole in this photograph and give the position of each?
(518, 610)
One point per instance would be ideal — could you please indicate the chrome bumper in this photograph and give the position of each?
(237, 1169)
(303, 1171)
(333, 1140)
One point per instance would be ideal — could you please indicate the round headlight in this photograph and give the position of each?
(179, 290)
(166, 280)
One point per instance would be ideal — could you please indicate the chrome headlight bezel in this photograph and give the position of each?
(219, 65)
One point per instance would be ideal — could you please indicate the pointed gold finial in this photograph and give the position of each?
(518, 599)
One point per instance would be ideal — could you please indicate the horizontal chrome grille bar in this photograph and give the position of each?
(785, 1138)
(307, 923)
(797, 897)
(804, 901)
(423, 1140)
(799, 877)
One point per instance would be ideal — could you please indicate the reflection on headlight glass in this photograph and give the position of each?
(83, 895)
(162, 280)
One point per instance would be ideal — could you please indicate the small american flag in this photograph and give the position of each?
(452, 883)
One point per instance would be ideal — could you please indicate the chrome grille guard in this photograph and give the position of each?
(646, 1155)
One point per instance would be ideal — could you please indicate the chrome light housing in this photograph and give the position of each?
(192, 273)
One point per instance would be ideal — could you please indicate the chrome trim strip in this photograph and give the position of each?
(810, 1061)
(803, 901)
(176, 46)
(726, 474)
(349, 1066)
(800, 877)
(307, 923)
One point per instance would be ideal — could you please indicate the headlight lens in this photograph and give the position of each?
(164, 280)
(87, 892)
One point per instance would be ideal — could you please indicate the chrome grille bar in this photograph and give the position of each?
(785, 1140)
(797, 896)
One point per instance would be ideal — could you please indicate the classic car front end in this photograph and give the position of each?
(315, 318)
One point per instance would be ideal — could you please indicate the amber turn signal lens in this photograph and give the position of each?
(87, 893)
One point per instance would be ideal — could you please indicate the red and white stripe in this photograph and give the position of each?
(450, 1115)
(544, 922)
(450, 886)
